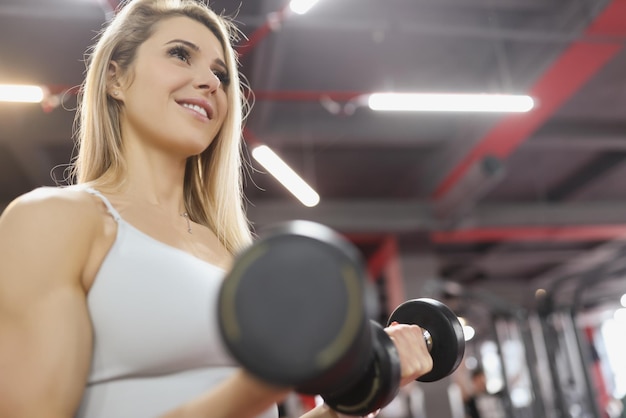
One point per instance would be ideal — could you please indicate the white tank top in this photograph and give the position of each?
(156, 339)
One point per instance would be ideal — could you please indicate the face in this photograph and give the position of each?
(174, 94)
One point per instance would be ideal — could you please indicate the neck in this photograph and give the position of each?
(157, 183)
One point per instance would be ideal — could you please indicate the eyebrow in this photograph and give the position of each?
(196, 48)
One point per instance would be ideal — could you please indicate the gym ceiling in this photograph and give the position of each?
(500, 202)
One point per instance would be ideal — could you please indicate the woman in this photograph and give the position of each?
(106, 286)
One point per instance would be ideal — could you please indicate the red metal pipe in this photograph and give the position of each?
(251, 138)
(611, 22)
(384, 264)
(544, 234)
(307, 95)
(603, 395)
(377, 262)
(113, 4)
(271, 22)
(577, 65)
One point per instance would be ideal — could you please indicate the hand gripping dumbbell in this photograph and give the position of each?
(292, 312)
(379, 383)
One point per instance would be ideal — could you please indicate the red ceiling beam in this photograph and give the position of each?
(113, 4)
(384, 264)
(543, 234)
(307, 95)
(272, 21)
(611, 22)
(377, 262)
(577, 65)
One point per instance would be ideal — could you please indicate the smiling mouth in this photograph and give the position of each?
(196, 108)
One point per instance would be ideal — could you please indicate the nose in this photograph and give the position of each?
(208, 81)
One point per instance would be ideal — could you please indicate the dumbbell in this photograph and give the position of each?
(292, 308)
(292, 312)
(443, 333)
(379, 383)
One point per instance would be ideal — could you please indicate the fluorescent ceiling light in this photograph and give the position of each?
(623, 300)
(448, 102)
(21, 93)
(285, 175)
(301, 6)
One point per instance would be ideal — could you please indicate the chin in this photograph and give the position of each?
(196, 148)
(193, 144)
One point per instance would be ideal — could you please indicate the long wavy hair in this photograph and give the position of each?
(213, 183)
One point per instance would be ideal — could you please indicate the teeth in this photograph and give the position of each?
(196, 108)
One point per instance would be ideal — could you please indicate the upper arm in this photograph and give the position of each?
(45, 331)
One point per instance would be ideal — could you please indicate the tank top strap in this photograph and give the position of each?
(114, 213)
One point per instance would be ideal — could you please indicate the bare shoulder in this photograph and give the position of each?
(48, 226)
(55, 205)
(54, 196)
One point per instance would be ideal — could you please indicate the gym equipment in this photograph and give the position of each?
(442, 331)
(292, 312)
(374, 387)
(443, 334)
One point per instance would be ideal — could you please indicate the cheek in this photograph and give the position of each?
(159, 79)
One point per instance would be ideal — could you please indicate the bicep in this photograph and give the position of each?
(44, 356)
(45, 332)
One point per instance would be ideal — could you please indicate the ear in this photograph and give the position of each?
(114, 85)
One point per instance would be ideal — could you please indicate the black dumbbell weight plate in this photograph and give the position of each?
(291, 310)
(377, 386)
(448, 340)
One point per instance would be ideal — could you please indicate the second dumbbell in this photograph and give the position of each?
(379, 383)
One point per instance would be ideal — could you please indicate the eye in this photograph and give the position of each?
(223, 77)
(181, 53)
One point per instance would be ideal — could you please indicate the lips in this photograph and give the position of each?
(201, 107)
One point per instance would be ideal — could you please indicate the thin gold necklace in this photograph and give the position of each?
(186, 216)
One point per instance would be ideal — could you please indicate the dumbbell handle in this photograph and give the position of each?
(428, 339)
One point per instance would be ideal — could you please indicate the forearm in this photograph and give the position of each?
(323, 411)
(240, 396)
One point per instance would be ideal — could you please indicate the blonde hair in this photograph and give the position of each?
(213, 179)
